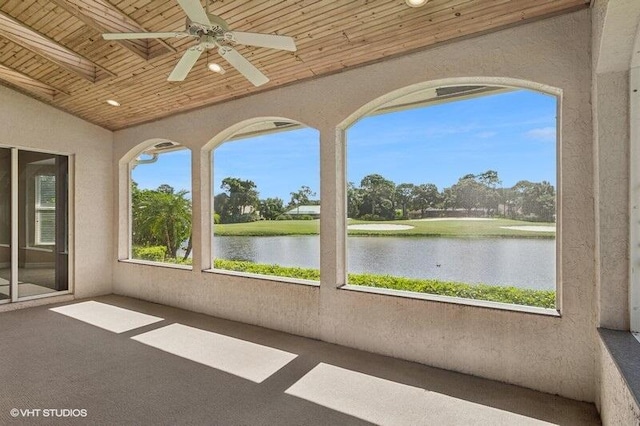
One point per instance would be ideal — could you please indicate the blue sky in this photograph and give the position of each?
(513, 133)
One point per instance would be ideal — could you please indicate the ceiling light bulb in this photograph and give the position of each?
(215, 68)
(112, 102)
(416, 3)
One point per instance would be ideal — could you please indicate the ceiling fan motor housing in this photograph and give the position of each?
(217, 27)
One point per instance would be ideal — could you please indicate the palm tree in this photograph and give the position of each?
(162, 217)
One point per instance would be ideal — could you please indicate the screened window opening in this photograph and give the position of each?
(161, 212)
(452, 192)
(266, 204)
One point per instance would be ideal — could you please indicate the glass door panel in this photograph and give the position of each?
(42, 223)
(5, 224)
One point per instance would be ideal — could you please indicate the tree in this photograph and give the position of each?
(301, 197)
(270, 208)
(242, 201)
(491, 181)
(220, 202)
(425, 196)
(536, 199)
(378, 196)
(355, 199)
(403, 195)
(468, 193)
(162, 217)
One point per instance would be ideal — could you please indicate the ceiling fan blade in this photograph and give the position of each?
(185, 64)
(246, 68)
(193, 9)
(264, 40)
(133, 36)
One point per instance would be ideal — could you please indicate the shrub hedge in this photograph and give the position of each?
(153, 253)
(513, 295)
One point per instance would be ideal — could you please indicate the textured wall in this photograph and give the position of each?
(616, 404)
(30, 124)
(611, 141)
(555, 355)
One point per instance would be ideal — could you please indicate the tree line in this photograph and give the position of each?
(162, 216)
(240, 202)
(378, 198)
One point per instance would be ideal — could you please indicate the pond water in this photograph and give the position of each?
(519, 262)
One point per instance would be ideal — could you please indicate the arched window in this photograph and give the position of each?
(452, 192)
(266, 205)
(160, 204)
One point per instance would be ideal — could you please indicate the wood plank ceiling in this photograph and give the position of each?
(60, 58)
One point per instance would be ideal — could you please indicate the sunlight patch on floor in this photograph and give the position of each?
(248, 360)
(385, 402)
(105, 316)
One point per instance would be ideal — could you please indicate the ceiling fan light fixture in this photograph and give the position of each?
(113, 102)
(215, 68)
(415, 3)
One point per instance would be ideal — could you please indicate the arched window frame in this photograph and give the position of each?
(206, 179)
(368, 108)
(125, 219)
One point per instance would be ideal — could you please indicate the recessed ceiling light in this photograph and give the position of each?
(215, 68)
(112, 102)
(416, 3)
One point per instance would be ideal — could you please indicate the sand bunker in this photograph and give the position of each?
(531, 228)
(379, 227)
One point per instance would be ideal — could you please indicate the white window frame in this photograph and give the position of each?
(125, 172)
(39, 209)
(369, 108)
(634, 199)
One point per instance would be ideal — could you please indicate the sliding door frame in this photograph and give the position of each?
(15, 228)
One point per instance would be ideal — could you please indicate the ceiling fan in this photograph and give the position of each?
(213, 32)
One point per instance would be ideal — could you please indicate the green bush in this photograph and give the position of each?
(153, 253)
(305, 217)
(284, 217)
(216, 218)
(513, 295)
(371, 217)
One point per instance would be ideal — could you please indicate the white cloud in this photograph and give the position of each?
(543, 133)
(486, 135)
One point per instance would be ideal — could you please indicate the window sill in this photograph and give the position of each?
(275, 278)
(455, 300)
(157, 264)
(624, 349)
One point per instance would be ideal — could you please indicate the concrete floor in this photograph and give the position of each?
(54, 362)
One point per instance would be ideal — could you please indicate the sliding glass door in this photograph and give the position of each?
(34, 224)
(5, 224)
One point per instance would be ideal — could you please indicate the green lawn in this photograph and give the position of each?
(427, 228)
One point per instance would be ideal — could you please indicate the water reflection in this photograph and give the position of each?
(524, 263)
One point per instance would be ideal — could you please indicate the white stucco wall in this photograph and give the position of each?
(555, 355)
(615, 28)
(615, 404)
(29, 124)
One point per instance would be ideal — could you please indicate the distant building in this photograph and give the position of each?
(305, 210)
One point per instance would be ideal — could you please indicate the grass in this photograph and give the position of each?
(504, 294)
(439, 228)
